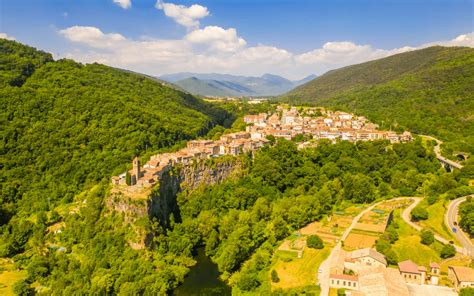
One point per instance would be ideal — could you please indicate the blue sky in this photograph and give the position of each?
(290, 38)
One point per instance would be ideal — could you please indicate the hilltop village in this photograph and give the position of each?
(312, 123)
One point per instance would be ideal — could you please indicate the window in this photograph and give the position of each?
(344, 283)
(338, 282)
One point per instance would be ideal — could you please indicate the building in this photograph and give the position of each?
(344, 281)
(369, 257)
(412, 273)
(435, 273)
(462, 277)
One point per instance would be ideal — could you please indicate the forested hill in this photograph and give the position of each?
(65, 125)
(428, 91)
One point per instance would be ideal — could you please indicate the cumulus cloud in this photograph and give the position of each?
(215, 49)
(217, 38)
(5, 36)
(92, 36)
(185, 16)
(125, 4)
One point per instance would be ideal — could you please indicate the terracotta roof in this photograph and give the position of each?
(346, 277)
(434, 265)
(463, 274)
(422, 268)
(408, 266)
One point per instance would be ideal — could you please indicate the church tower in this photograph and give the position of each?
(136, 168)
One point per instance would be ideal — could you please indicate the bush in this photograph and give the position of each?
(341, 292)
(275, 277)
(391, 256)
(466, 292)
(22, 288)
(315, 242)
(427, 237)
(419, 213)
(447, 251)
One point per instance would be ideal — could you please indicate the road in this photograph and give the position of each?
(437, 151)
(406, 216)
(450, 218)
(323, 277)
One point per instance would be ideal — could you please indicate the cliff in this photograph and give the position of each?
(160, 201)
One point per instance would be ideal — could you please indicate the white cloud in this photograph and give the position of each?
(185, 16)
(215, 49)
(125, 4)
(217, 38)
(5, 36)
(92, 36)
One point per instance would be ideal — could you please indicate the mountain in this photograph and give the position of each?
(429, 91)
(213, 84)
(66, 125)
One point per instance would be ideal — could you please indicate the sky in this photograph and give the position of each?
(291, 38)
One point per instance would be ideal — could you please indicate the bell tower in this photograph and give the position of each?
(136, 168)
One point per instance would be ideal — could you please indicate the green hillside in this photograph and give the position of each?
(66, 125)
(429, 91)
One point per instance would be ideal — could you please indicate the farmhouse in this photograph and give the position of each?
(412, 273)
(462, 277)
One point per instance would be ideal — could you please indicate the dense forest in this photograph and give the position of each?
(67, 127)
(428, 91)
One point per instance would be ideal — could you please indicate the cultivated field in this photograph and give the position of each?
(359, 240)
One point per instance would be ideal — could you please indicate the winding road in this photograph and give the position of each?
(450, 218)
(437, 151)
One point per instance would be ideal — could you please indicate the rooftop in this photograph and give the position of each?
(408, 266)
(464, 274)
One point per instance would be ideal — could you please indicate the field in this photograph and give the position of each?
(9, 276)
(378, 218)
(359, 240)
(299, 272)
(435, 220)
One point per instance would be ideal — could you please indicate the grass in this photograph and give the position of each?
(409, 246)
(9, 276)
(435, 220)
(300, 272)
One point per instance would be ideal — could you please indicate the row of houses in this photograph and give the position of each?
(330, 125)
(148, 174)
(365, 272)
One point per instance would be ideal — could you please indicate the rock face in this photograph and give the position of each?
(160, 202)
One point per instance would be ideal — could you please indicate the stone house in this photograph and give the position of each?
(412, 273)
(462, 277)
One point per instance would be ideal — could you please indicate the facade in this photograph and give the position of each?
(346, 281)
(462, 277)
(369, 257)
(412, 273)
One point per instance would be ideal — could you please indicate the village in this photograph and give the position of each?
(287, 122)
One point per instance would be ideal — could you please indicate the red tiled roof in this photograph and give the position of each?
(408, 266)
(344, 277)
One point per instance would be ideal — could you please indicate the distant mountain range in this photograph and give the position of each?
(213, 84)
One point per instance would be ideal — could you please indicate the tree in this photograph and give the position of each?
(275, 277)
(391, 256)
(427, 237)
(341, 292)
(128, 178)
(22, 288)
(314, 242)
(447, 251)
(419, 213)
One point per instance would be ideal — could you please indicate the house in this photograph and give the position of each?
(411, 272)
(435, 273)
(344, 281)
(369, 257)
(462, 277)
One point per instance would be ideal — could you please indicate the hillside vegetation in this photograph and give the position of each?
(428, 91)
(66, 125)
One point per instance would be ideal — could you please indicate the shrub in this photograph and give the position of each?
(427, 237)
(466, 292)
(447, 251)
(419, 213)
(391, 256)
(275, 277)
(341, 292)
(315, 242)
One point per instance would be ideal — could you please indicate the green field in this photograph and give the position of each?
(435, 220)
(9, 276)
(409, 247)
